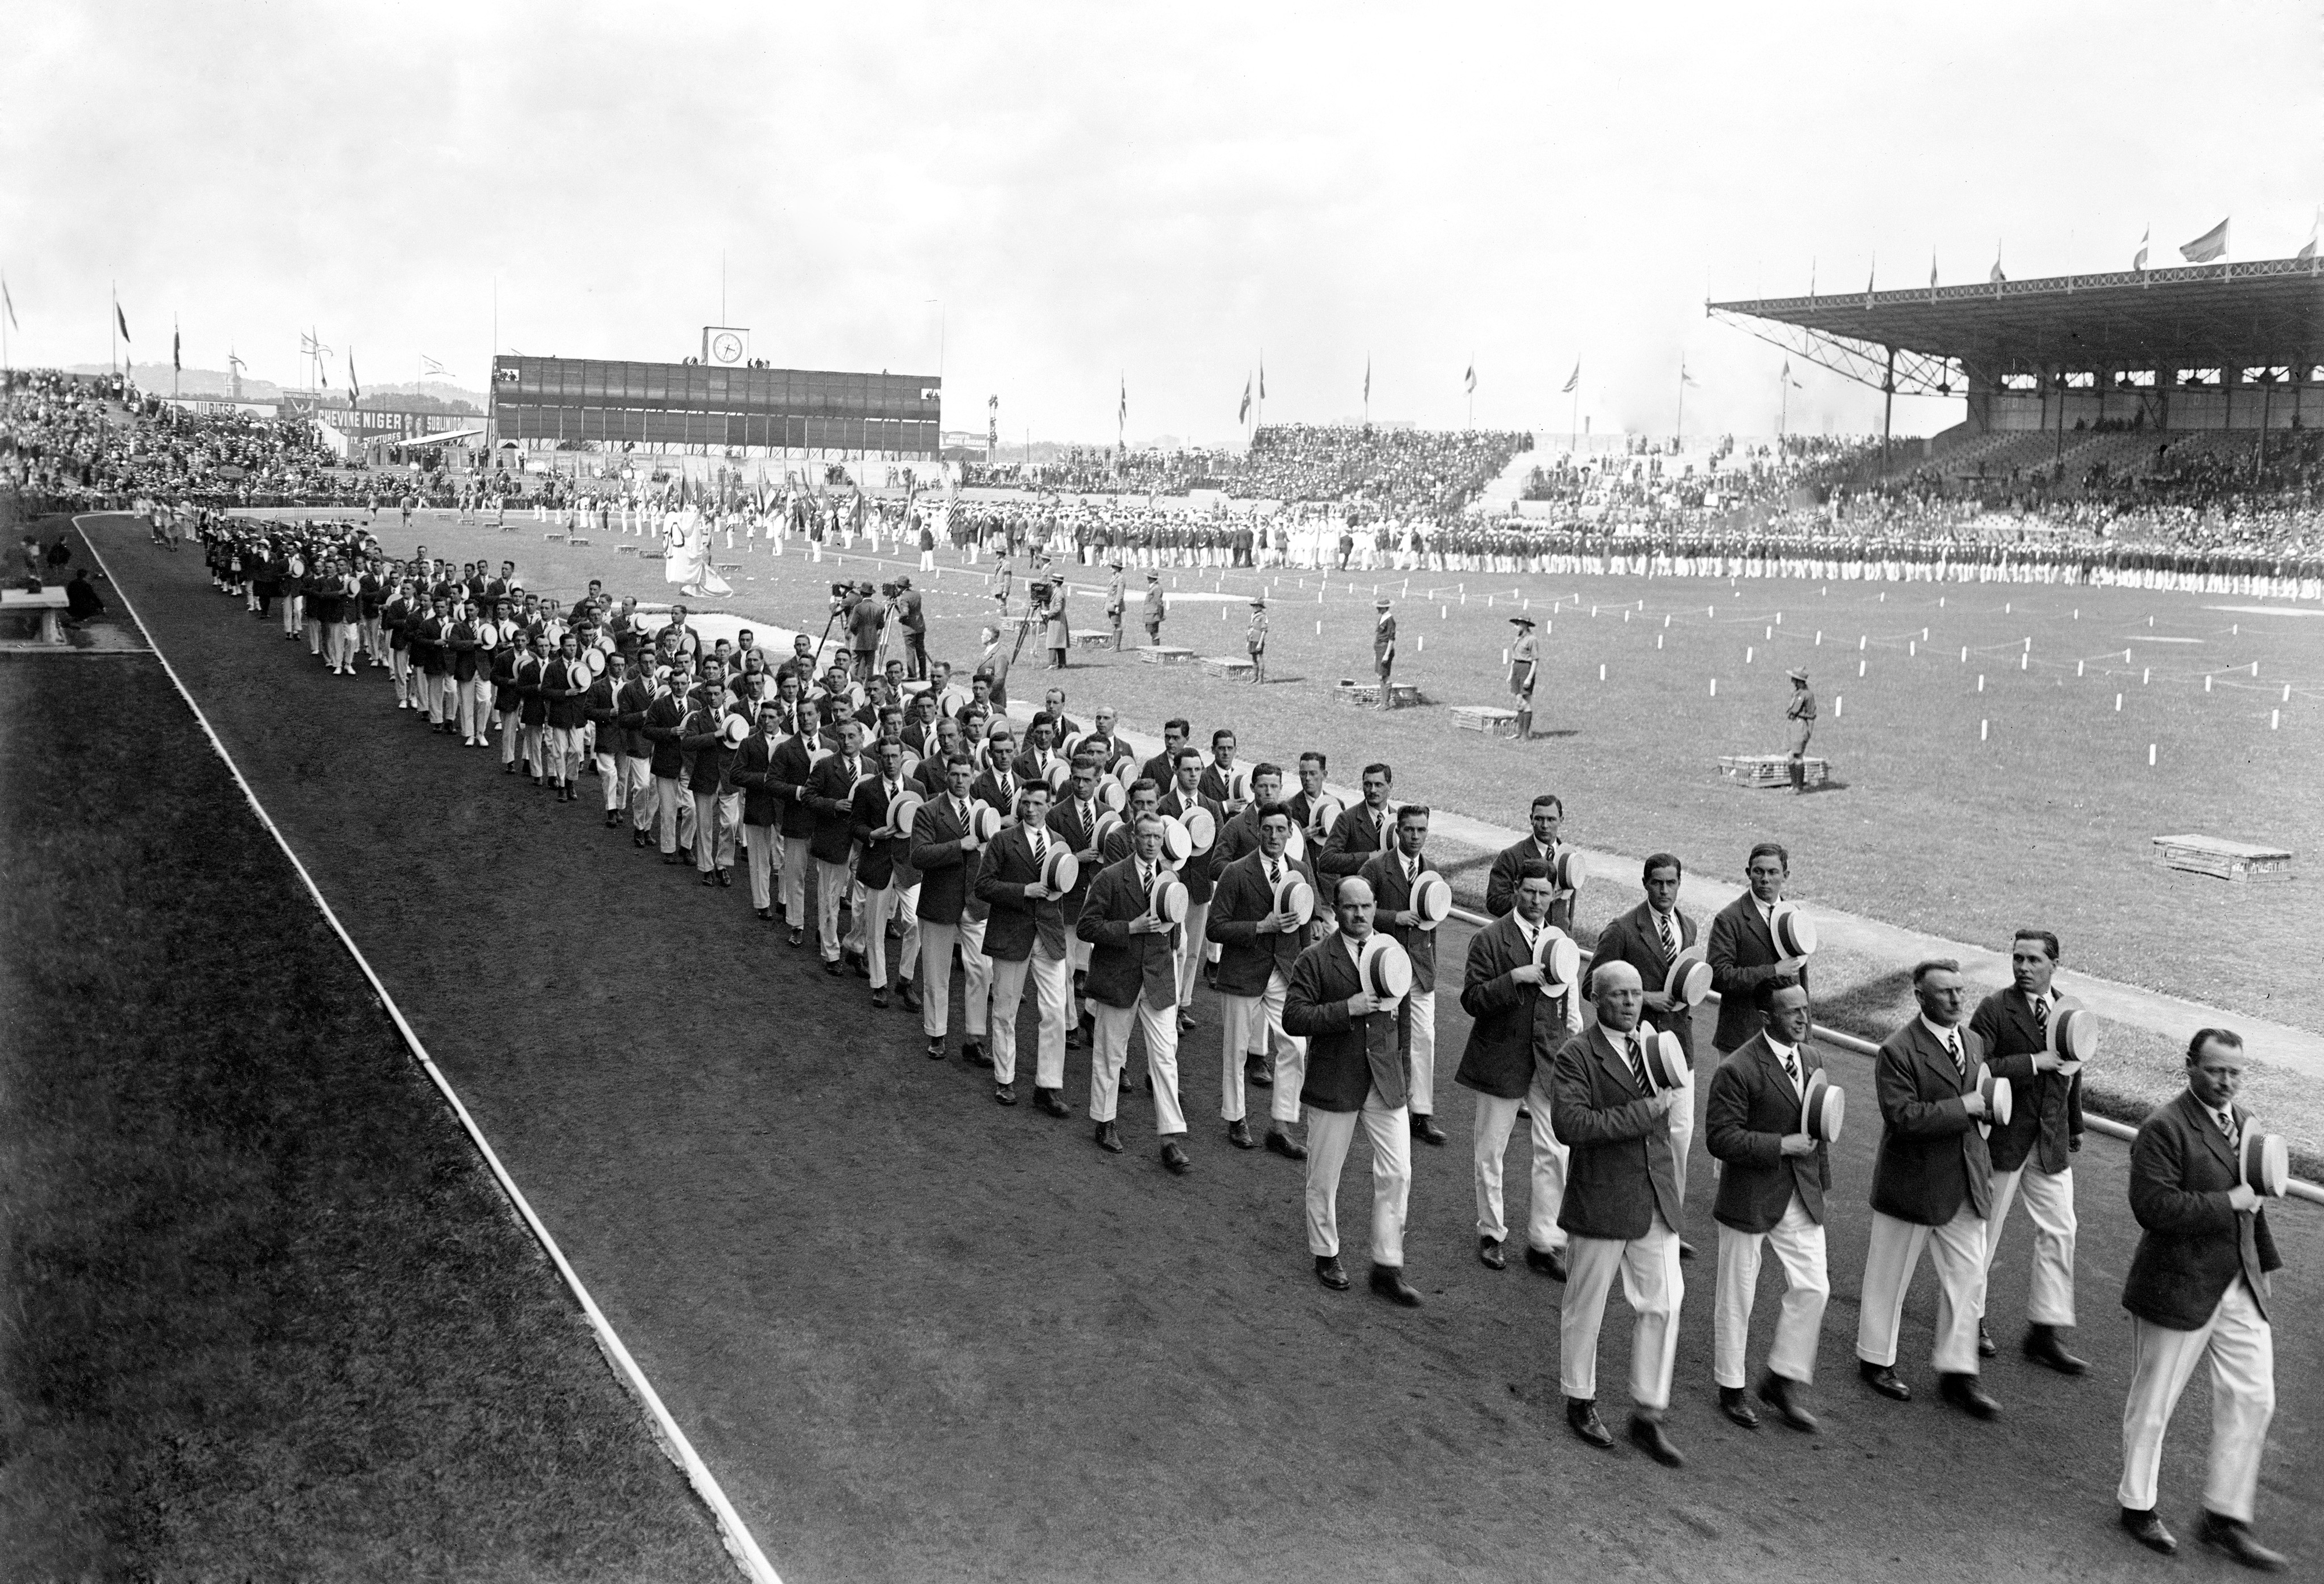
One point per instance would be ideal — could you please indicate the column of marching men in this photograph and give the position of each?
(1111, 887)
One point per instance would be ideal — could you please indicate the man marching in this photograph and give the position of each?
(945, 851)
(1025, 937)
(1259, 946)
(1771, 1190)
(1133, 977)
(1393, 877)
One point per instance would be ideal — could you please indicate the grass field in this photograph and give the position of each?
(2048, 816)
(268, 1315)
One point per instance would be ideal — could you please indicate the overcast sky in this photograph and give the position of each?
(1160, 195)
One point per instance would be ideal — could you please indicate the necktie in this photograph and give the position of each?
(1792, 1069)
(1040, 850)
(1952, 1049)
(2042, 1015)
(1274, 874)
(1638, 1059)
(2227, 1120)
(1387, 830)
(1670, 938)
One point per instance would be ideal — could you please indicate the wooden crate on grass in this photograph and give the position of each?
(576, 542)
(2229, 861)
(1092, 637)
(1484, 717)
(1166, 654)
(1232, 668)
(626, 549)
(1769, 769)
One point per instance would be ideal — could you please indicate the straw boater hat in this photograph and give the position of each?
(1799, 674)
(1521, 621)
(1257, 603)
(1380, 604)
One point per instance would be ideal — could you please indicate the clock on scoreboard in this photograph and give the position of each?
(726, 345)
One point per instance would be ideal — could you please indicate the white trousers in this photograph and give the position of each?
(1053, 988)
(831, 884)
(764, 844)
(637, 791)
(613, 779)
(879, 907)
(1247, 1025)
(1110, 1053)
(672, 810)
(716, 817)
(1419, 1015)
(936, 941)
(796, 863)
(1496, 1118)
(2050, 1202)
(1190, 949)
(2242, 1349)
(1957, 1250)
(1329, 1135)
(1654, 1288)
(1798, 1242)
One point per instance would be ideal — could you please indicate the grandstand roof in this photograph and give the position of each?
(2201, 316)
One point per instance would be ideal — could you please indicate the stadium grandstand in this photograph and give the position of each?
(701, 407)
(2134, 385)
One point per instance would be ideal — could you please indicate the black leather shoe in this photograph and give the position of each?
(1005, 1093)
(1109, 1138)
(858, 964)
(1257, 1071)
(2234, 1540)
(1075, 1040)
(799, 937)
(912, 997)
(1238, 1135)
(765, 914)
(1985, 1348)
(1738, 1407)
(1883, 1380)
(709, 879)
(674, 858)
(831, 966)
(726, 878)
(1424, 1128)
(1329, 1271)
(1776, 1391)
(2147, 1529)
(2044, 1346)
(1646, 1435)
(1549, 1262)
(879, 997)
(1284, 1144)
(1388, 1281)
(1491, 1255)
(1582, 1416)
(971, 1051)
(1963, 1392)
(1050, 1102)
(936, 1048)
(1185, 1022)
(1173, 1158)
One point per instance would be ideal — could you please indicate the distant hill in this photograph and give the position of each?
(193, 382)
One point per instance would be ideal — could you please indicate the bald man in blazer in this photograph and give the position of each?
(1133, 979)
(1354, 1075)
(1931, 1190)
(1650, 938)
(1622, 1213)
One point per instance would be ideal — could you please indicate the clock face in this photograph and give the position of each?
(726, 347)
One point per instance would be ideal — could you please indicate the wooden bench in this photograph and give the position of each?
(49, 604)
(2227, 861)
(1092, 637)
(1232, 667)
(1401, 696)
(1490, 718)
(1165, 654)
(1769, 769)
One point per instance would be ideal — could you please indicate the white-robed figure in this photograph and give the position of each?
(686, 559)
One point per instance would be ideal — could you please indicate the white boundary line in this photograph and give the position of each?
(740, 1545)
(2299, 1187)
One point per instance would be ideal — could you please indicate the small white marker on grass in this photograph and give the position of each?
(1837, 703)
(1859, 668)
(2150, 756)
(2272, 715)
(1983, 728)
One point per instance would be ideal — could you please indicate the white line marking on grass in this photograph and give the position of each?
(739, 1545)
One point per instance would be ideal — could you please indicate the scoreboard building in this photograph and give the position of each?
(709, 408)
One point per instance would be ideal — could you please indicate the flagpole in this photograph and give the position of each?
(1680, 439)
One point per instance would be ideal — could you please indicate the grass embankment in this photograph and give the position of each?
(268, 1316)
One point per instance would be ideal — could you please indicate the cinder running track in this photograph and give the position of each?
(920, 1336)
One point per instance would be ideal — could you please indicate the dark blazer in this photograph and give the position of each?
(1160, 771)
(790, 776)
(1753, 1107)
(1932, 1159)
(831, 793)
(1003, 874)
(710, 763)
(1742, 956)
(1517, 1029)
(1392, 894)
(2193, 1244)
(888, 859)
(1355, 840)
(946, 868)
(664, 716)
(460, 642)
(1240, 835)
(1199, 874)
(1619, 1169)
(987, 788)
(630, 707)
(762, 806)
(1635, 939)
(563, 683)
(1501, 884)
(1066, 824)
(1348, 1058)
(1125, 965)
(1245, 957)
(2046, 1122)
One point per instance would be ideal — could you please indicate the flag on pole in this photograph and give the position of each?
(1469, 380)
(1994, 275)
(9, 303)
(1932, 273)
(2308, 252)
(1868, 279)
(1122, 412)
(1794, 383)
(1242, 413)
(1687, 379)
(1572, 381)
(1367, 376)
(429, 365)
(1262, 376)
(2211, 244)
(174, 363)
(355, 385)
(121, 319)
(2138, 261)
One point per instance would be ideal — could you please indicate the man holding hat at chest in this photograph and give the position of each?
(1770, 1193)
(1931, 1190)
(2198, 1285)
(1354, 1075)
(882, 868)
(1025, 937)
(1651, 938)
(1259, 946)
(1743, 952)
(1393, 877)
(2033, 1152)
(1133, 977)
(1621, 1209)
